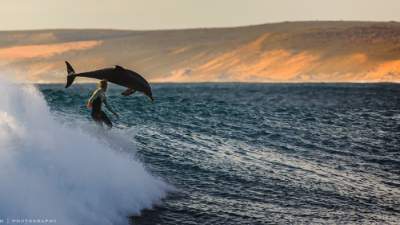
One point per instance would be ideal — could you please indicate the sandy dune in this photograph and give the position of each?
(282, 52)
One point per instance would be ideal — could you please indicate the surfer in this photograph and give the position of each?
(95, 102)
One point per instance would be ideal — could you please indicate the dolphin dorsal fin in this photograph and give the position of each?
(119, 67)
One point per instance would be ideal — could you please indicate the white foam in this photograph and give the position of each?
(52, 171)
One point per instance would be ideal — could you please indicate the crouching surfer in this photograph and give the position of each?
(95, 102)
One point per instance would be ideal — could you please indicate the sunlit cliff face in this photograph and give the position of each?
(39, 67)
(44, 50)
(323, 53)
(250, 64)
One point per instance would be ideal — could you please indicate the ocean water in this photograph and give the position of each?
(219, 154)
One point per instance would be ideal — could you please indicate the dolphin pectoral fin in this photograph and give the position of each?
(128, 92)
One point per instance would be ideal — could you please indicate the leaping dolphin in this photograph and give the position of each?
(118, 75)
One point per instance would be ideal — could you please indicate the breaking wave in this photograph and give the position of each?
(49, 170)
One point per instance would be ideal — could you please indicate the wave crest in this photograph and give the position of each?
(52, 171)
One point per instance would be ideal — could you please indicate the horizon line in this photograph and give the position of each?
(199, 28)
(240, 82)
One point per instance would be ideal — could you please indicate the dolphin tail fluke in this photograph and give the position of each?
(71, 74)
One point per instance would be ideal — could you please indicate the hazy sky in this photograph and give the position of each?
(162, 14)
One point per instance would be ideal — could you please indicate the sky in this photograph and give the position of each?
(175, 14)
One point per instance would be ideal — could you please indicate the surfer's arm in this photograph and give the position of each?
(92, 98)
(109, 107)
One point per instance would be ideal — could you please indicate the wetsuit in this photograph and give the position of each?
(98, 97)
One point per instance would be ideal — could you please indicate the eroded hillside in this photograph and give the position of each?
(282, 52)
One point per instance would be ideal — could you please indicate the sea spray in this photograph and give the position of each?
(52, 171)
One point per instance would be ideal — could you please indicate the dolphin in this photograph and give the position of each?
(118, 75)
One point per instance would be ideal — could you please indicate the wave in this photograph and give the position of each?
(50, 170)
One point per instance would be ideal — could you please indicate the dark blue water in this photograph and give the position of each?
(262, 153)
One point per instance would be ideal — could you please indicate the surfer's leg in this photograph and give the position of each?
(96, 116)
(105, 119)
